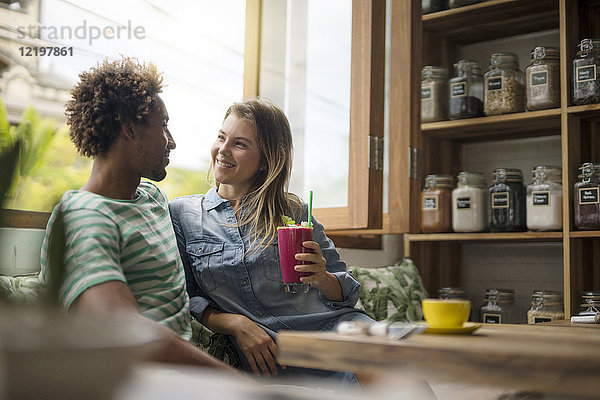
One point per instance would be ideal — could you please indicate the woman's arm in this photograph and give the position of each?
(258, 347)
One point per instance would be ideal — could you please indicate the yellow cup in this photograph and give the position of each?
(446, 313)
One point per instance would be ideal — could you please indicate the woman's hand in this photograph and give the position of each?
(257, 346)
(320, 279)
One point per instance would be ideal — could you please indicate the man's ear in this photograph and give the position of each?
(128, 129)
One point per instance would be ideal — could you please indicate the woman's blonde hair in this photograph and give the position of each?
(268, 199)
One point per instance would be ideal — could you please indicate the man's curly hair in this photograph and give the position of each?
(106, 96)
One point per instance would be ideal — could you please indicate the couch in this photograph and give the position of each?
(392, 293)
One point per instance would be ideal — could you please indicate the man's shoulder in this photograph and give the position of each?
(153, 191)
(80, 200)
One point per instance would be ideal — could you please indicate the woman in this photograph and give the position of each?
(228, 243)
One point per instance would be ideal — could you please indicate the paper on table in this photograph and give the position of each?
(394, 330)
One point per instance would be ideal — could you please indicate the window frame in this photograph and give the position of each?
(365, 184)
(404, 123)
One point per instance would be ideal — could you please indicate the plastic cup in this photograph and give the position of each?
(290, 243)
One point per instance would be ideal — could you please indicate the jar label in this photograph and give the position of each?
(426, 92)
(500, 200)
(541, 198)
(588, 196)
(430, 202)
(539, 320)
(538, 78)
(492, 318)
(494, 83)
(463, 203)
(586, 73)
(458, 89)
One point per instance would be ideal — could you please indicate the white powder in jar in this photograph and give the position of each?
(546, 213)
(469, 209)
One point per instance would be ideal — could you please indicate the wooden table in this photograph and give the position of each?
(552, 359)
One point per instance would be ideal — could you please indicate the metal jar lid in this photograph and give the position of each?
(434, 71)
(541, 52)
(588, 45)
(501, 59)
(474, 178)
(436, 180)
(451, 293)
(468, 66)
(503, 295)
(545, 172)
(552, 296)
(509, 174)
(591, 295)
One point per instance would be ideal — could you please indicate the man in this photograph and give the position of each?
(121, 255)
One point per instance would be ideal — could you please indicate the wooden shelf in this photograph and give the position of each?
(517, 125)
(483, 237)
(589, 112)
(493, 19)
(584, 234)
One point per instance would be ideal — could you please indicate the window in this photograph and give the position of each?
(322, 63)
(198, 45)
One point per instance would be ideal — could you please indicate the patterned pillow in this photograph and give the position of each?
(392, 293)
(21, 289)
(215, 344)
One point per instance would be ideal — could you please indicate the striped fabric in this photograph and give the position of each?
(131, 241)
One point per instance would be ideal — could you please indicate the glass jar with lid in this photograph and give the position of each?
(466, 91)
(429, 6)
(586, 209)
(451, 293)
(550, 308)
(436, 204)
(506, 205)
(590, 303)
(504, 90)
(536, 299)
(434, 93)
(544, 199)
(469, 203)
(462, 3)
(542, 78)
(499, 307)
(586, 73)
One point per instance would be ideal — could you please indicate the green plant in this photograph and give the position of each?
(9, 157)
(35, 135)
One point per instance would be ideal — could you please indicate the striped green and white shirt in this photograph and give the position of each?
(131, 241)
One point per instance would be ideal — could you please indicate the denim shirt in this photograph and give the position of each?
(222, 274)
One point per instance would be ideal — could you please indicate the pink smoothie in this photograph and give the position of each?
(290, 243)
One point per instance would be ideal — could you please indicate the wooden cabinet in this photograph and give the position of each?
(442, 38)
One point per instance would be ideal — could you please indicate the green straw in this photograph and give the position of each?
(310, 195)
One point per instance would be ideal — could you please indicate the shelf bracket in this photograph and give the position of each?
(376, 153)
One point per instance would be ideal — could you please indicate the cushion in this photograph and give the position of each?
(392, 293)
(215, 344)
(21, 289)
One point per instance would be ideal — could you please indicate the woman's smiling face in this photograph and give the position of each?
(235, 155)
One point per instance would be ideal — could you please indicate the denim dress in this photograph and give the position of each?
(224, 273)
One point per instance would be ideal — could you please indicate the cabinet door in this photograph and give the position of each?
(404, 177)
(323, 63)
